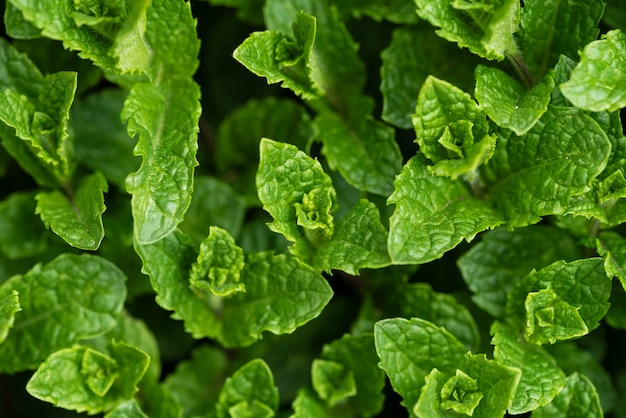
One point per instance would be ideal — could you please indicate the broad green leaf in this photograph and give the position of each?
(451, 129)
(70, 298)
(130, 46)
(249, 386)
(354, 357)
(306, 405)
(507, 102)
(491, 267)
(102, 142)
(613, 248)
(83, 379)
(413, 54)
(333, 381)
(578, 398)
(536, 174)
(545, 301)
(479, 388)
(17, 26)
(410, 349)
(167, 262)
(219, 264)
(128, 409)
(570, 25)
(280, 58)
(486, 28)
(433, 214)
(597, 82)
(359, 241)
(541, 378)
(9, 306)
(298, 194)
(396, 11)
(364, 152)
(162, 186)
(160, 403)
(189, 382)
(281, 294)
(21, 233)
(79, 220)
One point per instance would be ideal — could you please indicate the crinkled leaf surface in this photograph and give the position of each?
(410, 349)
(79, 220)
(536, 174)
(252, 383)
(502, 258)
(578, 398)
(598, 82)
(433, 214)
(541, 379)
(70, 298)
(83, 379)
(128, 409)
(9, 306)
(507, 102)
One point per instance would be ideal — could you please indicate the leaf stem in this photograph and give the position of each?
(521, 68)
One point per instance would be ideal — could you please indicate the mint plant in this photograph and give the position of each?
(329, 208)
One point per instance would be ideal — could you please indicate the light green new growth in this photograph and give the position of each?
(9, 306)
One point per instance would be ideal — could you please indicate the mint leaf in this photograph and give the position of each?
(9, 306)
(162, 186)
(130, 46)
(277, 57)
(281, 294)
(21, 233)
(578, 398)
(249, 391)
(451, 129)
(410, 349)
(17, 26)
(507, 102)
(597, 82)
(485, 28)
(557, 295)
(79, 221)
(570, 29)
(70, 298)
(493, 266)
(396, 11)
(306, 405)
(128, 409)
(536, 174)
(332, 381)
(541, 378)
(83, 379)
(167, 262)
(299, 196)
(359, 241)
(613, 248)
(433, 215)
(219, 265)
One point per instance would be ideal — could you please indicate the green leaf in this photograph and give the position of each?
(102, 142)
(364, 152)
(570, 27)
(306, 405)
(433, 215)
(251, 385)
(410, 349)
(130, 46)
(507, 102)
(536, 174)
(9, 306)
(128, 409)
(167, 262)
(17, 26)
(597, 82)
(332, 381)
(162, 186)
(196, 382)
(281, 294)
(554, 294)
(541, 378)
(21, 233)
(278, 57)
(491, 267)
(70, 298)
(298, 194)
(451, 129)
(83, 379)
(219, 264)
(79, 221)
(419, 52)
(396, 11)
(578, 398)
(359, 241)
(613, 248)
(486, 28)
